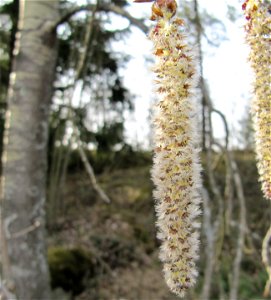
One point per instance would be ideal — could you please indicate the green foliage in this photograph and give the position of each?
(252, 285)
(70, 268)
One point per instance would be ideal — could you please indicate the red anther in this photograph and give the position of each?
(244, 6)
(156, 29)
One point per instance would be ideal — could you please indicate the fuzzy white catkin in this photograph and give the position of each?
(176, 169)
(258, 36)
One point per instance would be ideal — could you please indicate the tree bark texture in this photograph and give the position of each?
(25, 157)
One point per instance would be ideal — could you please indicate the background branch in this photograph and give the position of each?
(106, 8)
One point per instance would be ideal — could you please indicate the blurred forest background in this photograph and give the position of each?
(100, 221)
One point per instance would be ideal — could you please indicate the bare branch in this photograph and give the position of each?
(225, 124)
(121, 12)
(242, 231)
(92, 177)
(26, 230)
(10, 219)
(106, 8)
(6, 294)
(214, 231)
(83, 55)
(209, 232)
(232, 168)
(266, 257)
(21, 232)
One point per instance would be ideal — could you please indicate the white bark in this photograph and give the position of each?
(25, 160)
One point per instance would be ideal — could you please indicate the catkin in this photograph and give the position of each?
(258, 37)
(176, 169)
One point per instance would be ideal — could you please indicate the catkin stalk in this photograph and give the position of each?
(176, 170)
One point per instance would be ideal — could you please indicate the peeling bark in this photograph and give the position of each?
(24, 160)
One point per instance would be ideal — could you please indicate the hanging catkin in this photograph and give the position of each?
(176, 170)
(258, 36)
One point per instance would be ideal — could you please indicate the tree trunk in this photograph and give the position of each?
(25, 157)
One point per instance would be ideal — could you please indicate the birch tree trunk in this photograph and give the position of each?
(25, 157)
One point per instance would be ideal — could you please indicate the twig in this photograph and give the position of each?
(242, 231)
(215, 234)
(266, 257)
(25, 230)
(92, 177)
(10, 219)
(5, 294)
(228, 196)
(209, 249)
(225, 125)
(106, 8)
(83, 55)
(79, 69)
(21, 232)
(234, 173)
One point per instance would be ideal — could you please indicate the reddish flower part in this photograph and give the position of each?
(244, 6)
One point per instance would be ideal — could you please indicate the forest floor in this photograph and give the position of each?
(100, 251)
(119, 237)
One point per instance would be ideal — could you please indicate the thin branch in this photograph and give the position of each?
(234, 173)
(242, 231)
(19, 233)
(266, 257)
(106, 8)
(92, 177)
(225, 125)
(83, 55)
(10, 219)
(123, 13)
(25, 230)
(228, 192)
(209, 232)
(6, 294)
(80, 65)
(215, 233)
(228, 196)
(5, 260)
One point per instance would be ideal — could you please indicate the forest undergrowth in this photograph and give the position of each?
(110, 251)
